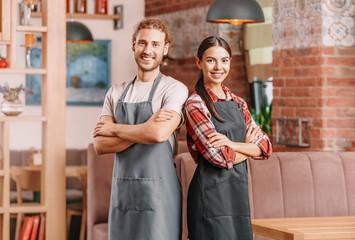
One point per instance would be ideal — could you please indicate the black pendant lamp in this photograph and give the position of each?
(78, 32)
(235, 12)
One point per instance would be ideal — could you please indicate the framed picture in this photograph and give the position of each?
(87, 77)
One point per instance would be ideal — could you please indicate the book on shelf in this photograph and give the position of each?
(32, 228)
(35, 227)
(42, 228)
(26, 228)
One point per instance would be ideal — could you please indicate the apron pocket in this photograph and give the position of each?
(228, 198)
(136, 194)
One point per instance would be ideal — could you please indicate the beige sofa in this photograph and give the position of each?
(289, 184)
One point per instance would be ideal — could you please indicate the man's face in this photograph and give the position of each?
(149, 49)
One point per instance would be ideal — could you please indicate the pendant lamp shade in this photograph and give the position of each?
(78, 32)
(235, 12)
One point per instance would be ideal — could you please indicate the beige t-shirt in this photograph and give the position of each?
(170, 94)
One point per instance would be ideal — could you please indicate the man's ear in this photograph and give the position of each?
(198, 63)
(133, 45)
(166, 48)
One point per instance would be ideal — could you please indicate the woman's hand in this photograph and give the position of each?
(239, 157)
(253, 133)
(161, 116)
(216, 139)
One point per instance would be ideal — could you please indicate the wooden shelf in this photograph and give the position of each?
(23, 71)
(23, 119)
(5, 43)
(1, 173)
(28, 28)
(28, 208)
(31, 208)
(83, 16)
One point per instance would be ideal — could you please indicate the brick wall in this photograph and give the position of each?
(317, 83)
(310, 80)
(155, 7)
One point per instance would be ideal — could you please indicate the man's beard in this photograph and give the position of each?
(145, 68)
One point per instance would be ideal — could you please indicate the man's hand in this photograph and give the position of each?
(104, 128)
(161, 116)
(253, 133)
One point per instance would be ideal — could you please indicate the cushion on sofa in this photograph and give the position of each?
(303, 184)
(99, 191)
(100, 231)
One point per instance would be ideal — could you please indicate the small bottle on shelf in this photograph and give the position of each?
(101, 6)
(81, 6)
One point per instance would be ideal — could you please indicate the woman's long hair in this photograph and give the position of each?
(200, 86)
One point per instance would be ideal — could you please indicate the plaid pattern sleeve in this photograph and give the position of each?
(263, 142)
(199, 126)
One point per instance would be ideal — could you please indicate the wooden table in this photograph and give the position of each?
(322, 228)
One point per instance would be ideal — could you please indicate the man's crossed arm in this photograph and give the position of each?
(110, 137)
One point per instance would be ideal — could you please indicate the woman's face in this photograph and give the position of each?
(215, 65)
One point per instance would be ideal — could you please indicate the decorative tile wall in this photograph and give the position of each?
(338, 23)
(296, 24)
(189, 28)
(309, 23)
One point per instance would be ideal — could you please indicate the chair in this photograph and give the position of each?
(25, 179)
(78, 208)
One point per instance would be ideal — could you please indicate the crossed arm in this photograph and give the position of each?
(111, 137)
(242, 150)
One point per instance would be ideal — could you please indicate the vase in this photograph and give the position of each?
(11, 105)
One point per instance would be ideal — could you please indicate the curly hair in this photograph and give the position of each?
(153, 23)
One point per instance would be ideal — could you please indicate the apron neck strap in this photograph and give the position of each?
(155, 86)
(152, 91)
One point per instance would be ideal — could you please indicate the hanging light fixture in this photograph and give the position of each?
(235, 12)
(78, 32)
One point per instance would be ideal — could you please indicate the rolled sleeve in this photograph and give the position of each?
(265, 146)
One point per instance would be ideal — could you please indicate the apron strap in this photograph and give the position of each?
(155, 86)
(126, 89)
(152, 91)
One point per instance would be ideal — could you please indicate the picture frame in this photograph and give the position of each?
(87, 73)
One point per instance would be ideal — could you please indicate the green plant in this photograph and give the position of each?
(263, 119)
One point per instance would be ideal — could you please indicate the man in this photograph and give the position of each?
(137, 123)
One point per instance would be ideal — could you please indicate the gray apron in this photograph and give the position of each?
(146, 192)
(218, 199)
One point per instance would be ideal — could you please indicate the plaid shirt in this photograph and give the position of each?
(199, 126)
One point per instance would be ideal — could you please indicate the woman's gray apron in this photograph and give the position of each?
(146, 192)
(218, 199)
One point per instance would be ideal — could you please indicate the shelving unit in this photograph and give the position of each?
(83, 16)
(52, 203)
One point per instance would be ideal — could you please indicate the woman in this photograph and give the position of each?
(221, 134)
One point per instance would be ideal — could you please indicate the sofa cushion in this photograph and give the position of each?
(99, 191)
(100, 231)
(308, 184)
